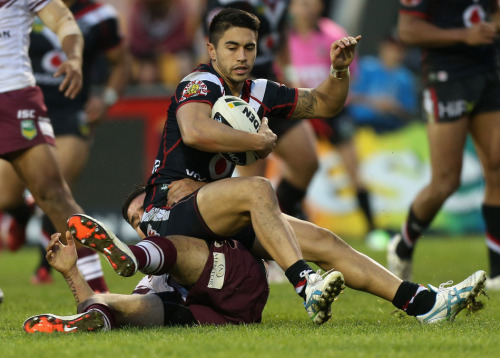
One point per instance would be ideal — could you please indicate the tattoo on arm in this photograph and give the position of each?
(72, 287)
(306, 104)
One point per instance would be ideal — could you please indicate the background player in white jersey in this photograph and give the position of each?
(74, 120)
(26, 134)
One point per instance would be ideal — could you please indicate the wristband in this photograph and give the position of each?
(340, 74)
(109, 96)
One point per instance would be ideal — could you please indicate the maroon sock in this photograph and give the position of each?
(155, 255)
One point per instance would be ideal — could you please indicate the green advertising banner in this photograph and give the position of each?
(395, 167)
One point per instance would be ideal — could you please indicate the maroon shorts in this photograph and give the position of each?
(232, 288)
(23, 120)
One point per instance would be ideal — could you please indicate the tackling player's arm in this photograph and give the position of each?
(200, 131)
(329, 97)
(57, 17)
(416, 31)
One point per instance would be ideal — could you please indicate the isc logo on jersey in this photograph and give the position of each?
(238, 114)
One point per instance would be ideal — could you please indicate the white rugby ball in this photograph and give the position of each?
(238, 114)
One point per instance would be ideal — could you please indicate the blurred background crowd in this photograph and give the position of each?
(166, 41)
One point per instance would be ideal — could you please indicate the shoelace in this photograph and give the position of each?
(443, 285)
(318, 276)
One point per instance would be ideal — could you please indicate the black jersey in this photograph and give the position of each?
(441, 64)
(99, 26)
(175, 160)
(272, 16)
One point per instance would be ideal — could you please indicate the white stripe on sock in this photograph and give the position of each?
(90, 267)
(155, 257)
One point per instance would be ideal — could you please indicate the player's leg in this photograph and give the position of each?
(38, 169)
(12, 203)
(72, 155)
(446, 144)
(297, 148)
(105, 312)
(229, 205)
(362, 273)
(485, 130)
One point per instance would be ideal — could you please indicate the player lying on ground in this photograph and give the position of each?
(429, 306)
(209, 301)
(228, 286)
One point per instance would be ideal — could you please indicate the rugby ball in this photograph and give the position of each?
(239, 115)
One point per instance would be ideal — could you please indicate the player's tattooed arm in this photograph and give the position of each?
(306, 104)
(71, 285)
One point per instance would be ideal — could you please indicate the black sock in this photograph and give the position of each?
(364, 204)
(414, 299)
(21, 213)
(43, 258)
(491, 215)
(296, 276)
(412, 230)
(290, 199)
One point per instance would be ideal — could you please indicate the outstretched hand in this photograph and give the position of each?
(72, 83)
(62, 257)
(342, 52)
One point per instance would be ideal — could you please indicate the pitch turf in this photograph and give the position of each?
(362, 326)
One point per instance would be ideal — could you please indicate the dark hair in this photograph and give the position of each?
(230, 17)
(128, 199)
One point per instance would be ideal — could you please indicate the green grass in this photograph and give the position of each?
(362, 326)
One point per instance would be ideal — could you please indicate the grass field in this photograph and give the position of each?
(362, 325)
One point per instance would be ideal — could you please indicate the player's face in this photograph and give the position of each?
(134, 213)
(233, 56)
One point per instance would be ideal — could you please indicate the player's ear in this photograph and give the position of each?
(211, 50)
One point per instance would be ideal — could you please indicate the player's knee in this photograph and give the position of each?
(259, 187)
(445, 185)
(94, 299)
(51, 194)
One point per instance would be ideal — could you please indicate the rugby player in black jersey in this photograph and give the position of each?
(296, 145)
(461, 97)
(246, 208)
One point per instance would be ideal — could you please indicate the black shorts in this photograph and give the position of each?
(450, 101)
(66, 121)
(184, 219)
(281, 125)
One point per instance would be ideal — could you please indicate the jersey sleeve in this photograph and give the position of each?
(107, 31)
(281, 99)
(37, 5)
(199, 87)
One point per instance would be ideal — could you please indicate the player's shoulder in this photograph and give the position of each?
(94, 11)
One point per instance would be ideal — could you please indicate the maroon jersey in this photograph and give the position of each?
(175, 160)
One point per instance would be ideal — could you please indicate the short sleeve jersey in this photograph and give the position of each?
(441, 64)
(99, 26)
(175, 160)
(16, 19)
